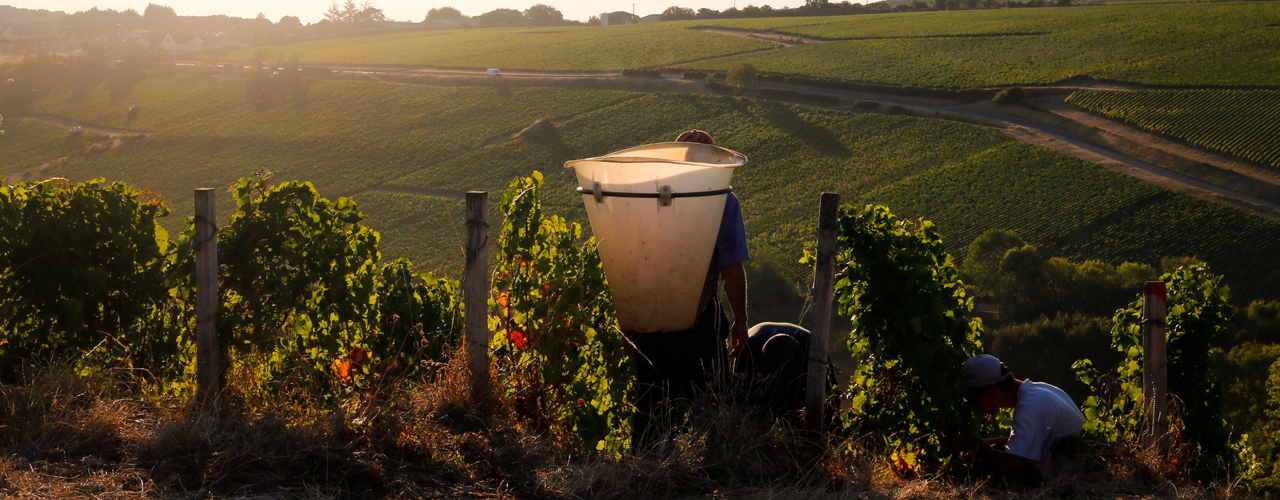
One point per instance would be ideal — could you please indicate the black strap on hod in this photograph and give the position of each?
(664, 196)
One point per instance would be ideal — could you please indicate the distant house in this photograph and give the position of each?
(168, 44)
(617, 18)
(54, 44)
(15, 33)
(193, 44)
(651, 18)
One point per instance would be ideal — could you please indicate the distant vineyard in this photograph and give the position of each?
(1244, 123)
(1177, 44)
(609, 48)
(407, 152)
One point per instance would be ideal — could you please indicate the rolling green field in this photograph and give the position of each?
(566, 48)
(345, 137)
(1244, 123)
(362, 138)
(1177, 44)
(1219, 44)
(28, 143)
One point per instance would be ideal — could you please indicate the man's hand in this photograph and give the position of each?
(735, 289)
(737, 338)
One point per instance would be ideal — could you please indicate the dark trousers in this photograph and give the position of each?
(671, 366)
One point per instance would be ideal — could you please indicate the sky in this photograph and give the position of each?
(312, 10)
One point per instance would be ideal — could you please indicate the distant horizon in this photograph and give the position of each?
(310, 11)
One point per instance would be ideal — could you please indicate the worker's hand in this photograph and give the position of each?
(737, 338)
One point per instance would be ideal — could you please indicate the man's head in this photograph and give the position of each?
(696, 136)
(986, 384)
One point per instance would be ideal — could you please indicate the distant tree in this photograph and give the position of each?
(159, 17)
(94, 22)
(501, 17)
(705, 13)
(677, 14)
(290, 22)
(816, 4)
(743, 74)
(369, 14)
(350, 13)
(445, 14)
(593, 21)
(544, 15)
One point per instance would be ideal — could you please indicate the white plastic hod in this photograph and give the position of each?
(655, 212)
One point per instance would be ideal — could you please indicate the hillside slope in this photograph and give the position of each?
(379, 141)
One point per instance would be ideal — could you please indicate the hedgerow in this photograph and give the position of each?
(1202, 442)
(85, 277)
(562, 358)
(910, 334)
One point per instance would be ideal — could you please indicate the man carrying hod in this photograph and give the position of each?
(1046, 424)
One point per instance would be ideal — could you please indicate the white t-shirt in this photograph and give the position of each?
(1044, 415)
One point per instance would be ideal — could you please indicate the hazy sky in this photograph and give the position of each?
(400, 10)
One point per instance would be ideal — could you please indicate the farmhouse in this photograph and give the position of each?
(651, 18)
(616, 18)
(15, 33)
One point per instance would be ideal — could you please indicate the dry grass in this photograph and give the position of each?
(67, 436)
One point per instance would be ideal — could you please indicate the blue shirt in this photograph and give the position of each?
(731, 243)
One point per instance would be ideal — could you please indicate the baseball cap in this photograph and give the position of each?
(979, 371)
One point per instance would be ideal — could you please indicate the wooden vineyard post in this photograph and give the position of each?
(823, 282)
(1155, 366)
(206, 249)
(475, 288)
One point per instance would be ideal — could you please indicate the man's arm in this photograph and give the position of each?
(735, 287)
(1007, 465)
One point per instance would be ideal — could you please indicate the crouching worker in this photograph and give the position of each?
(1045, 442)
(776, 365)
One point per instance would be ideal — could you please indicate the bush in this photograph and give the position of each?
(561, 355)
(1010, 96)
(911, 333)
(83, 268)
(298, 279)
(1197, 311)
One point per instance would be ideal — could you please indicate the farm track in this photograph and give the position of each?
(1016, 127)
(69, 124)
(117, 136)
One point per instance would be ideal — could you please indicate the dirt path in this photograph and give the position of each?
(117, 136)
(69, 124)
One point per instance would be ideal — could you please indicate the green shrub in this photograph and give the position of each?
(910, 333)
(85, 268)
(1197, 311)
(561, 350)
(1010, 96)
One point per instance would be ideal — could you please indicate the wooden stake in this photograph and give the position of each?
(476, 293)
(823, 282)
(206, 248)
(1155, 390)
